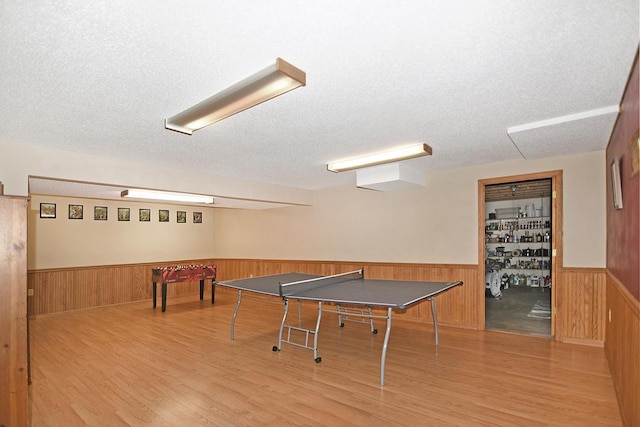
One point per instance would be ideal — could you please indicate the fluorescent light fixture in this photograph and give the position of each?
(262, 86)
(167, 196)
(403, 153)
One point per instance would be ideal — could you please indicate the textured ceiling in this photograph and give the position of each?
(99, 77)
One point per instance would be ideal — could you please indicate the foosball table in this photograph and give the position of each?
(183, 273)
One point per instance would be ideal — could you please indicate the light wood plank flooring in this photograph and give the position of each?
(132, 365)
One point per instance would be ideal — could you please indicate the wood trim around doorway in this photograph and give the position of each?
(556, 235)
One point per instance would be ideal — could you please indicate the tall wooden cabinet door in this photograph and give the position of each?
(13, 311)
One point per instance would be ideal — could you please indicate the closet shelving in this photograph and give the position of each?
(520, 247)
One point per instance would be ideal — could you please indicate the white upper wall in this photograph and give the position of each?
(435, 224)
(62, 242)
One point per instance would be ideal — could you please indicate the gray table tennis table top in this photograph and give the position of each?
(349, 289)
(267, 285)
(398, 294)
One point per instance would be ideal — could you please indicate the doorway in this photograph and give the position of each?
(518, 253)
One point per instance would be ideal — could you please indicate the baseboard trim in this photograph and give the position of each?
(581, 341)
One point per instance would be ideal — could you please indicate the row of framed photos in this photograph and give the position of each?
(101, 213)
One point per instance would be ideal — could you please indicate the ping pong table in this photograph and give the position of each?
(345, 291)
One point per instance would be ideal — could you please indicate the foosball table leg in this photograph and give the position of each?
(155, 291)
(164, 297)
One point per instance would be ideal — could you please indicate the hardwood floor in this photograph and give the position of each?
(132, 365)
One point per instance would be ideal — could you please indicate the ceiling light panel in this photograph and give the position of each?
(273, 81)
(166, 196)
(402, 153)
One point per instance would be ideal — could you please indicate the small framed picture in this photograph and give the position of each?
(124, 214)
(47, 210)
(100, 213)
(616, 186)
(144, 215)
(75, 211)
(163, 215)
(182, 217)
(197, 217)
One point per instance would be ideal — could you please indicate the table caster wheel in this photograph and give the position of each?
(375, 331)
(342, 325)
(318, 359)
(275, 348)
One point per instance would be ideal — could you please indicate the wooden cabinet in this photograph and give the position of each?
(13, 311)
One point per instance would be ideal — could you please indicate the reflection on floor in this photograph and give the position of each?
(522, 309)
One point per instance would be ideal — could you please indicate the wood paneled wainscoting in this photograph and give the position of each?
(66, 289)
(622, 347)
(580, 300)
(580, 292)
(78, 288)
